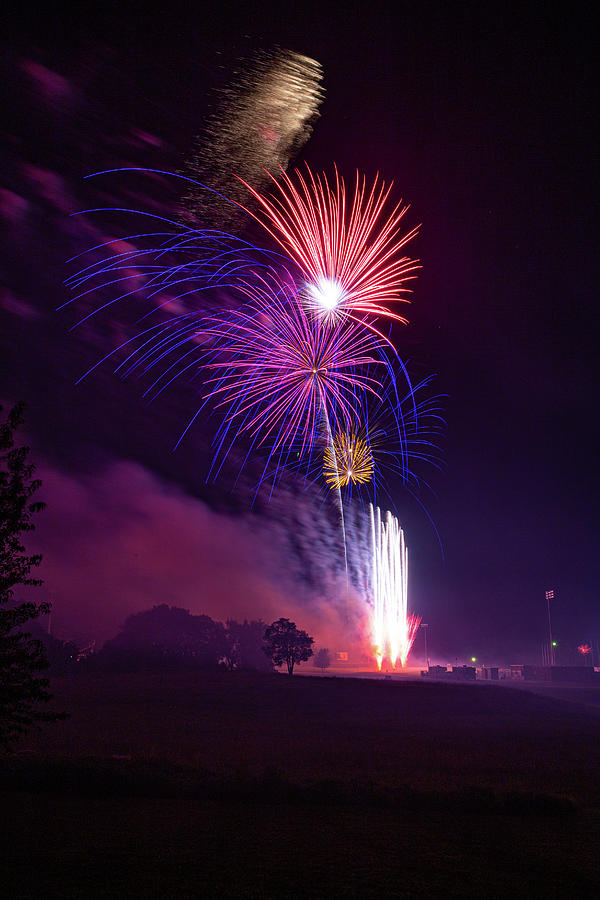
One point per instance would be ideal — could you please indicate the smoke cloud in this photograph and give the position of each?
(120, 540)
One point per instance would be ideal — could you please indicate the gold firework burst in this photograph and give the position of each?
(260, 122)
(348, 459)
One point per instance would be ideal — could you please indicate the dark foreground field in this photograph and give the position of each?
(242, 785)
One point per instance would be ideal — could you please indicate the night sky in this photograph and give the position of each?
(484, 120)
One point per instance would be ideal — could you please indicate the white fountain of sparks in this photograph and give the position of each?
(394, 628)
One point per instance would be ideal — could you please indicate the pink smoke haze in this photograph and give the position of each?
(122, 541)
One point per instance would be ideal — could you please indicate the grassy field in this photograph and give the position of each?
(181, 848)
(433, 735)
(248, 785)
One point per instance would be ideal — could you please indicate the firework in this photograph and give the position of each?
(387, 444)
(283, 377)
(342, 252)
(348, 459)
(394, 627)
(346, 245)
(261, 121)
(276, 375)
(274, 371)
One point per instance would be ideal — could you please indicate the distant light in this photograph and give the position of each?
(327, 294)
(554, 644)
(473, 659)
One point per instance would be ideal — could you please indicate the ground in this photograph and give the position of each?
(248, 785)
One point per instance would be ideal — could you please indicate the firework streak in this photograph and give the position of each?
(303, 348)
(394, 628)
(261, 120)
(346, 247)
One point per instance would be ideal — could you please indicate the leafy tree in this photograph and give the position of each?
(284, 643)
(165, 637)
(322, 659)
(21, 656)
(245, 644)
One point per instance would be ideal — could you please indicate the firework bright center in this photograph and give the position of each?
(327, 294)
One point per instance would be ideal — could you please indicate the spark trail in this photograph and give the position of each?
(260, 121)
(330, 451)
(394, 628)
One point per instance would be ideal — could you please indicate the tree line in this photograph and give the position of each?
(172, 638)
(168, 637)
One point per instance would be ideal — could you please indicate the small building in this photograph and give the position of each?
(488, 673)
(435, 672)
(464, 673)
(554, 674)
(456, 673)
(517, 671)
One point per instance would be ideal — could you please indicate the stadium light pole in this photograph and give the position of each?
(549, 597)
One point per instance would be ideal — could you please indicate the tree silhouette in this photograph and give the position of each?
(21, 656)
(165, 637)
(322, 659)
(284, 643)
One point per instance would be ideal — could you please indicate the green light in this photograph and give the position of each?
(473, 659)
(554, 644)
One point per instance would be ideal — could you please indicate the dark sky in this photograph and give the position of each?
(483, 118)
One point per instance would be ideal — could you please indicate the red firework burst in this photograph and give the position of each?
(346, 244)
